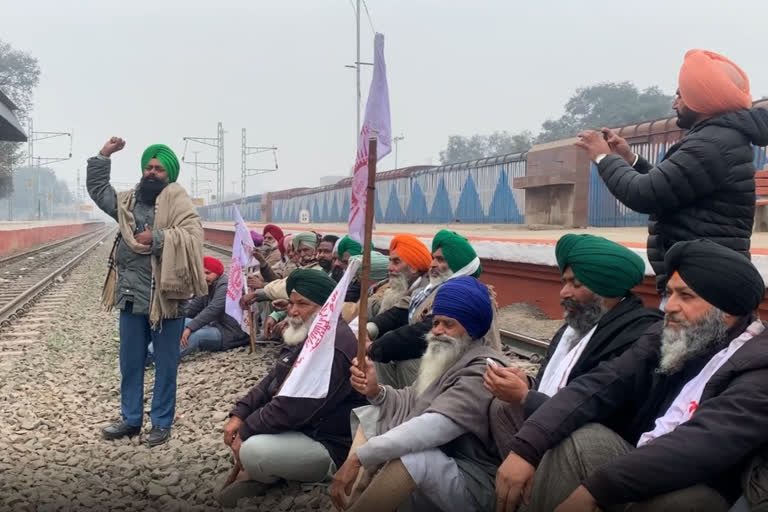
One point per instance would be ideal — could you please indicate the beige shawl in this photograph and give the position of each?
(178, 273)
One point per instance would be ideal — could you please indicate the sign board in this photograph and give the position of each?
(198, 201)
(304, 217)
(86, 208)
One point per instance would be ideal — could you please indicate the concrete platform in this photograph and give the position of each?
(18, 236)
(520, 263)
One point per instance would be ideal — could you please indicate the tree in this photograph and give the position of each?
(19, 75)
(462, 149)
(609, 104)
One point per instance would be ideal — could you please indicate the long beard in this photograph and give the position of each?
(337, 273)
(398, 288)
(149, 188)
(442, 352)
(297, 330)
(582, 317)
(325, 264)
(680, 344)
(440, 278)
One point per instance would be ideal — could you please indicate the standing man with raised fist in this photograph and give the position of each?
(155, 264)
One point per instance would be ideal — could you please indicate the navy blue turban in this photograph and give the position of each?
(466, 300)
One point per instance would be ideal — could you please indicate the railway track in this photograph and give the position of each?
(519, 344)
(32, 288)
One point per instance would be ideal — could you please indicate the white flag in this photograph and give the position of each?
(242, 249)
(311, 372)
(376, 123)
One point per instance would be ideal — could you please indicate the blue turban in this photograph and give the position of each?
(468, 301)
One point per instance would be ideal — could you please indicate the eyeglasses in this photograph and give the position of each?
(158, 168)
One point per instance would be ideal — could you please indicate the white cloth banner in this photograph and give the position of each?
(688, 399)
(311, 373)
(377, 124)
(242, 250)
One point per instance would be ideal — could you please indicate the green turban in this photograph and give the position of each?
(313, 284)
(306, 238)
(379, 266)
(607, 268)
(346, 244)
(457, 250)
(167, 158)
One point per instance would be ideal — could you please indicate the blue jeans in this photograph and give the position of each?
(135, 336)
(206, 338)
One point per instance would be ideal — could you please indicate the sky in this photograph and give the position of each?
(162, 70)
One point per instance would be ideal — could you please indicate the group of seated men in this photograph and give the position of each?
(632, 409)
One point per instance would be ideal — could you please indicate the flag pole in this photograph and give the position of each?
(370, 197)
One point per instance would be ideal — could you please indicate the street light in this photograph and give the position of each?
(396, 140)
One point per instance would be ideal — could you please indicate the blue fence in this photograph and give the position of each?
(471, 192)
(250, 210)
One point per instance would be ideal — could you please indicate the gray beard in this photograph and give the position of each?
(583, 317)
(296, 331)
(443, 277)
(442, 352)
(680, 344)
(398, 288)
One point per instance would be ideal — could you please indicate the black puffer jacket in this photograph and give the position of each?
(704, 187)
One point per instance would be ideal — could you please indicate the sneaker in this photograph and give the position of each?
(120, 430)
(158, 435)
(236, 491)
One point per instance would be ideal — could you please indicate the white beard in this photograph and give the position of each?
(443, 277)
(297, 331)
(398, 287)
(442, 352)
(679, 344)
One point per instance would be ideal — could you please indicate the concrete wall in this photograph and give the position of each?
(12, 240)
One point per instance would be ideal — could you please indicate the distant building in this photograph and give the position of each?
(330, 180)
(10, 129)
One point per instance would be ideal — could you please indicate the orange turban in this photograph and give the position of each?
(412, 251)
(711, 84)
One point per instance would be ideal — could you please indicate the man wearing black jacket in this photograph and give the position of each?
(704, 187)
(603, 318)
(680, 412)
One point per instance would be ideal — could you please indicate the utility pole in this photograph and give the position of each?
(196, 187)
(396, 140)
(356, 67)
(35, 136)
(217, 166)
(245, 171)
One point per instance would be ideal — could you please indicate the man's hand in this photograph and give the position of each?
(230, 430)
(366, 382)
(259, 256)
(343, 480)
(580, 500)
(185, 337)
(113, 145)
(507, 384)
(618, 145)
(594, 143)
(246, 300)
(269, 326)
(236, 444)
(255, 282)
(145, 237)
(280, 304)
(514, 480)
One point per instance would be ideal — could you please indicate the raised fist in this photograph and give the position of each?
(113, 145)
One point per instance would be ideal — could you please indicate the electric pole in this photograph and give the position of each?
(245, 171)
(35, 136)
(356, 67)
(396, 140)
(217, 166)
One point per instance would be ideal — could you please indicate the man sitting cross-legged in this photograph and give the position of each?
(602, 320)
(300, 439)
(679, 413)
(432, 438)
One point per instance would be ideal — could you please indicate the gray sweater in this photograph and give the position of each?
(209, 310)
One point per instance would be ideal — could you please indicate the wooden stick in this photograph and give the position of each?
(362, 333)
(252, 330)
